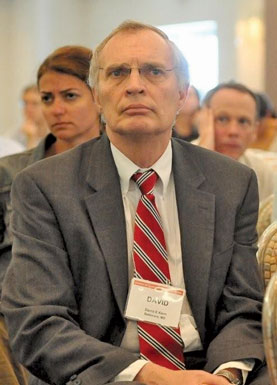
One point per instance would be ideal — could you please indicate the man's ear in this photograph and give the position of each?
(183, 93)
(96, 99)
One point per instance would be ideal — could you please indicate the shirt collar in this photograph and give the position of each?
(126, 168)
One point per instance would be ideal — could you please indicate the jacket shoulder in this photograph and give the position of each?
(64, 166)
(211, 160)
(10, 165)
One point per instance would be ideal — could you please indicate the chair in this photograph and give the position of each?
(267, 253)
(265, 214)
(269, 323)
(266, 138)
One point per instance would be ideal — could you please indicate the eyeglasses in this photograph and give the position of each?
(152, 73)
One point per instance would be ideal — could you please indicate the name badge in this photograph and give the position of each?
(154, 302)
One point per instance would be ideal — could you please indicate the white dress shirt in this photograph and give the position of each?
(165, 199)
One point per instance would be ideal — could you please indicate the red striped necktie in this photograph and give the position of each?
(160, 344)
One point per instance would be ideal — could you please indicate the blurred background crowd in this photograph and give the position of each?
(234, 42)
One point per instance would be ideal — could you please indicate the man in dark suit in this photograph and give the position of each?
(65, 291)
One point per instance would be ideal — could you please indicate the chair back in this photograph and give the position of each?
(265, 214)
(267, 253)
(269, 323)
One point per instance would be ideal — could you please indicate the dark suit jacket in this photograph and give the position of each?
(9, 167)
(66, 287)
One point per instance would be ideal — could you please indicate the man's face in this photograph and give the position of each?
(234, 121)
(141, 102)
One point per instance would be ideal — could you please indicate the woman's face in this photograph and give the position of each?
(68, 107)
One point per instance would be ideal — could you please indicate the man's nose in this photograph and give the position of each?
(135, 83)
(233, 127)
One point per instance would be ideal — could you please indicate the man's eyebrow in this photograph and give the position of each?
(117, 65)
(114, 65)
(245, 117)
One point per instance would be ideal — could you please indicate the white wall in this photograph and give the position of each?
(31, 29)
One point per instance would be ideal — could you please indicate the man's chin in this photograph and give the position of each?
(233, 152)
(233, 155)
(134, 130)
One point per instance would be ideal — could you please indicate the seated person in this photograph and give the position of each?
(136, 202)
(267, 128)
(73, 118)
(185, 127)
(228, 124)
(34, 126)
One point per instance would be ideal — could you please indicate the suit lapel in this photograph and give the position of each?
(196, 210)
(106, 212)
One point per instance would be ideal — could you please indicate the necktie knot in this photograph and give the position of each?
(146, 181)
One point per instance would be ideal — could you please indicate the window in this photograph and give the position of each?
(199, 43)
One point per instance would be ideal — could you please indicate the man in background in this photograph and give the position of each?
(228, 124)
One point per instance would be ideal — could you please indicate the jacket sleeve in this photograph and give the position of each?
(40, 302)
(237, 330)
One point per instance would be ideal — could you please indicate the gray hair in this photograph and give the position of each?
(181, 71)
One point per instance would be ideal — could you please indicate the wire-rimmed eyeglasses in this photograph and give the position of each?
(149, 72)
